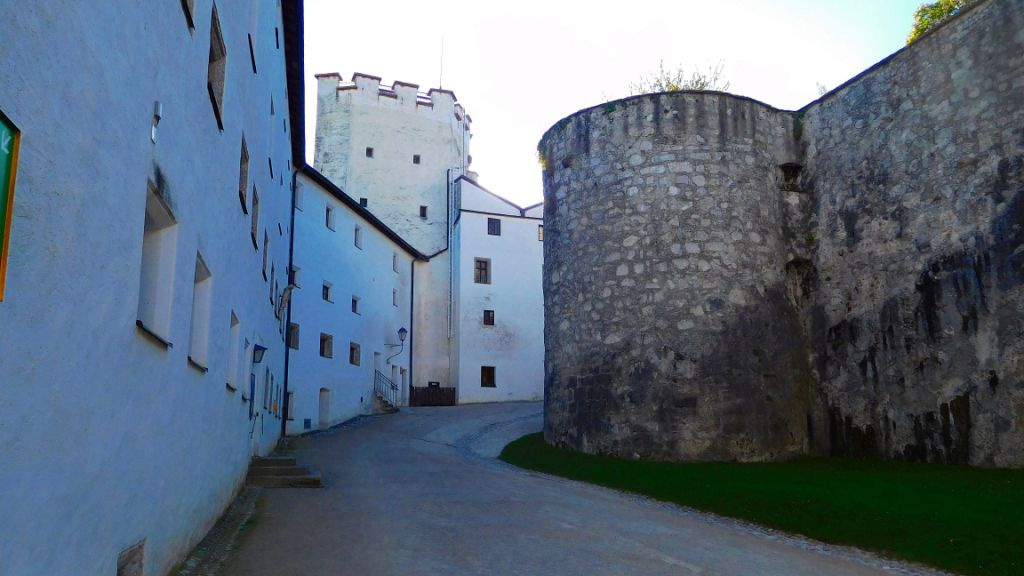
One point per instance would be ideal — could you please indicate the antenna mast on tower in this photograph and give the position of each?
(440, 76)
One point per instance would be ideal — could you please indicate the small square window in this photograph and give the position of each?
(327, 292)
(329, 217)
(487, 377)
(293, 336)
(488, 317)
(369, 152)
(482, 271)
(415, 158)
(355, 304)
(540, 232)
(326, 345)
(357, 237)
(363, 202)
(353, 354)
(423, 211)
(493, 227)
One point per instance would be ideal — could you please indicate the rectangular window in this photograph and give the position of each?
(216, 68)
(357, 237)
(353, 354)
(394, 261)
(270, 164)
(488, 317)
(243, 176)
(189, 7)
(327, 292)
(202, 294)
(481, 271)
(159, 245)
(487, 377)
(540, 232)
(329, 217)
(266, 241)
(394, 297)
(273, 287)
(369, 152)
(255, 226)
(293, 336)
(415, 158)
(493, 227)
(326, 345)
(252, 55)
(423, 211)
(355, 304)
(294, 276)
(363, 202)
(234, 340)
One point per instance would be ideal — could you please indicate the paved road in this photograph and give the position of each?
(419, 492)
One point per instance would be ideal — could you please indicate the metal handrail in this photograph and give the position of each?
(385, 388)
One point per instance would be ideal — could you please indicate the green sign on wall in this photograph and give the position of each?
(9, 140)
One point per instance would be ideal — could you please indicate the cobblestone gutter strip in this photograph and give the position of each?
(213, 551)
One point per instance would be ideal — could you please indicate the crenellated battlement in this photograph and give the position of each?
(367, 88)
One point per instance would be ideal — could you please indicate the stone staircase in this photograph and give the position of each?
(281, 472)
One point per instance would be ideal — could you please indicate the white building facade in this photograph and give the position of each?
(351, 308)
(141, 328)
(405, 156)
(498, 337)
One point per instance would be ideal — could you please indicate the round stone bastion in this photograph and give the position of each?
(669, 330)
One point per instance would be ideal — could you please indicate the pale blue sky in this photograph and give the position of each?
(519, 67)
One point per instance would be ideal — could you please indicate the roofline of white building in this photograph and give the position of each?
(522, 210)
(359, 210)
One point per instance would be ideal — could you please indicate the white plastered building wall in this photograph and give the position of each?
(357, 295)
(500, 316)
(401, 150)
(111, 437)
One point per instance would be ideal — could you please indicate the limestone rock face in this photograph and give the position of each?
(724, 280)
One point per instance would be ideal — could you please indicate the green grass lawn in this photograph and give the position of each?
(967, 520)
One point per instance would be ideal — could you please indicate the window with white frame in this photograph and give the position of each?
(156, 282)
(216, 68)
(202, 294)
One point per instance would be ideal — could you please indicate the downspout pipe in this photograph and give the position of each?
(412, 320)
(288, 321)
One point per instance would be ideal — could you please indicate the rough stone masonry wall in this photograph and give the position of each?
(668, 329)
(917, 173)
(702, 302)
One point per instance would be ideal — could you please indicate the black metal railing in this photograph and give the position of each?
(431, 396)
(385, 389)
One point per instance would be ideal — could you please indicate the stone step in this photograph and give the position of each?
(311, 480)
(272, 462)
(278, 471)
